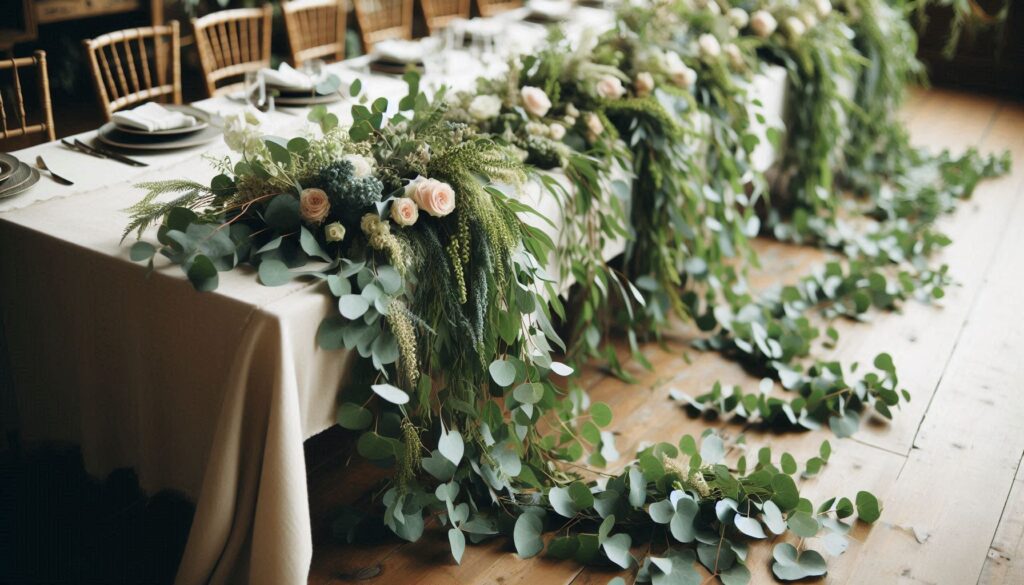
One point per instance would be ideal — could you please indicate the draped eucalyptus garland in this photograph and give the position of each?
(460, 302)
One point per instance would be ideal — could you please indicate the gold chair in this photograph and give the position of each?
(231, 43)
(136, 65)
(381, 20)
(316, 29)
(16, 124)
(491, 7)
(440, 13)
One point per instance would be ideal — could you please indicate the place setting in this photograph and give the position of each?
(151, 127)
(16, 177)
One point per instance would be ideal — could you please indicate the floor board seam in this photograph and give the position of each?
(999, 524)
(1004, 229)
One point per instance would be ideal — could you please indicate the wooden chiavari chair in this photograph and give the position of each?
(491, 7)
(440, 13)
(136, 65)
(316, 29)
(16, 124)
(231, 43)
(381, 20)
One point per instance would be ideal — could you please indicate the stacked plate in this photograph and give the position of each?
(396, 56)
(15, 176)
(134, 138)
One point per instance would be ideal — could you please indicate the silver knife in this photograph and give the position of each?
(112, 155)
(76, 148)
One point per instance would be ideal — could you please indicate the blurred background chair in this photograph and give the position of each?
(315, 29)
(381, 20)
(232, 43)
(492, 7)
(14, 118)
(439, 13)
(136, 65)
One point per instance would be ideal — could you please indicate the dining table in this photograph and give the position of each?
(211, 394)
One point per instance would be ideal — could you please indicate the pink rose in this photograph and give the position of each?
(610, 87)
(314, 205)
(435, 197)
(535, 101)
(404, 211)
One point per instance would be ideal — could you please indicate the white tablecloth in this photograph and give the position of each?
(211, 394)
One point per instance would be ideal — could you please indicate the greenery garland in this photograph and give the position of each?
(441, 286)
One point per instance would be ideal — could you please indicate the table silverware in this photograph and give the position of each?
(111, 154)
(76, 148)
(41, 164)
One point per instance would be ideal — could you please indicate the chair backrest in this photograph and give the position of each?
(316, 29)
(439, 13)
(13, 116)
(492, 7)
(381, 20)
(231, 43)
(136, 65)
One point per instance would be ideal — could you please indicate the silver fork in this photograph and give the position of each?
(42, 165)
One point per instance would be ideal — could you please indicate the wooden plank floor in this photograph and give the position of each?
(947, 469)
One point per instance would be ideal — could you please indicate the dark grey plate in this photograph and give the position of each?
(111, 135)
(22, 178)
(8, 164)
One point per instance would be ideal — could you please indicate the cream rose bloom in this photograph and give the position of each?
(404, 211)
(610, 87)
(709, 45)
(556, 131)
(824, 7)
(763, 23)
(739, 17)
(314, 205)
(484, 107)
(732, 52)
(794, 27)
(362, 167)
(594, 125)
(644, 83)
(334, 232)
(535, 101)
(435, 197)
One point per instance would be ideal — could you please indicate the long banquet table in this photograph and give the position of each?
(211, 394)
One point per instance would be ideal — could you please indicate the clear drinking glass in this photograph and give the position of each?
(314, 68)
(255, 87)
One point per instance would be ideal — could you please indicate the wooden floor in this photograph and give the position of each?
(947, 469)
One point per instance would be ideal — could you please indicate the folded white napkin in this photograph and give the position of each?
(152, 117)
(287, 77)
(399, 51)
(481, 27)
(552, 9)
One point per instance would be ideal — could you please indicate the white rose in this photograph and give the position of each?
(484, 107)
(763, 23)
(334, 232)
(734, 55)
(824, 7)
(709, 46)
(644, 83)
(361, 166)
(536, 129)
(739, 17)
(610, 87)
(594, 125)
(404, 211)
(794, 27)
(535, 101)
(556, 131)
